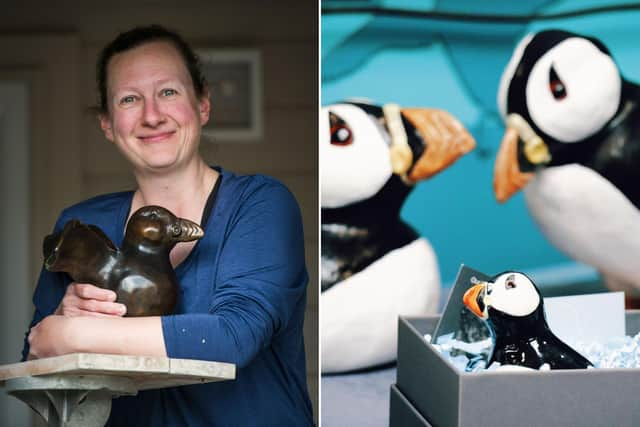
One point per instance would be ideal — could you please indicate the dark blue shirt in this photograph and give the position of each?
(242, 300)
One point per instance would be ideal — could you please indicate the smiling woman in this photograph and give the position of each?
(242, 286)
(154, 113)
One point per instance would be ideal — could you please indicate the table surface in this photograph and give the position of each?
(146, 372)
(357, 399)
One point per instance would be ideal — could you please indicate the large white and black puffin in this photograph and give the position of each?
(573, 139)
(514, 311)
(374, 266)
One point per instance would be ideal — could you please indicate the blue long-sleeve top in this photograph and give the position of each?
(242, 300)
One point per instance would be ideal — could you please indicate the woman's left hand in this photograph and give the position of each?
(53, 336)
(56, 335)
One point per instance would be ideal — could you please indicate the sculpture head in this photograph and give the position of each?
(362, 146)
(155, 226)
(559, 92)
(511, 293)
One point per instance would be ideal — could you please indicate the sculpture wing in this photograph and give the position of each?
(83, 251)
(100, 235)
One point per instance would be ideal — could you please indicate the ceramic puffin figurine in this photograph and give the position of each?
(140, 273)
(374, 266)
(513, 309)
(573, 139)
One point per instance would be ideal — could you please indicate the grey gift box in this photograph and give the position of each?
(431, 388)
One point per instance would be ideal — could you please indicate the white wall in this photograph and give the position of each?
(15, 305)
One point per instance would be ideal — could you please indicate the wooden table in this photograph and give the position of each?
(75, 390)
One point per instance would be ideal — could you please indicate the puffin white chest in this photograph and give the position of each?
(588, 218)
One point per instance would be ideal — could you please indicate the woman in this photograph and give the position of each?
(243, 285)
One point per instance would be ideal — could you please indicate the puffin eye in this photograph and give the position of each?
(556, 86)
(510, 283)
(340, 132)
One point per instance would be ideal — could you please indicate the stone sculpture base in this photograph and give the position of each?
(75, 390)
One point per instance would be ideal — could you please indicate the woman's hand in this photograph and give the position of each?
(83, 299)
(57, 335)
(60, 333)
(53, 336)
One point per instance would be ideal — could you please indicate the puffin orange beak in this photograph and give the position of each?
(470, 299)
(507, 178)
(447, 141)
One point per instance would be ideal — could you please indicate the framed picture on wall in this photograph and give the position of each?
(235, 83)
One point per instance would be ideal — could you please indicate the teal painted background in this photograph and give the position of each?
(455, 64)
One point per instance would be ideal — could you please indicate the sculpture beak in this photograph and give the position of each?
(446, 141)
(507, 178)
(471, 297)
(188, 231)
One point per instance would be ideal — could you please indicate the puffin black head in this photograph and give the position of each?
(558, 92)
(510, 293)
(363, 146)
(155, 226)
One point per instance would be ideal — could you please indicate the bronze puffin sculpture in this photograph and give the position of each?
(140, 272)
(513, 309)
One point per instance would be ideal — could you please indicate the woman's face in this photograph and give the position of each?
(154, 117)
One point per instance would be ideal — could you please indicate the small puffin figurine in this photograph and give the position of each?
(513, 309)
(374, 266)
(140, 273)
(573, 139)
